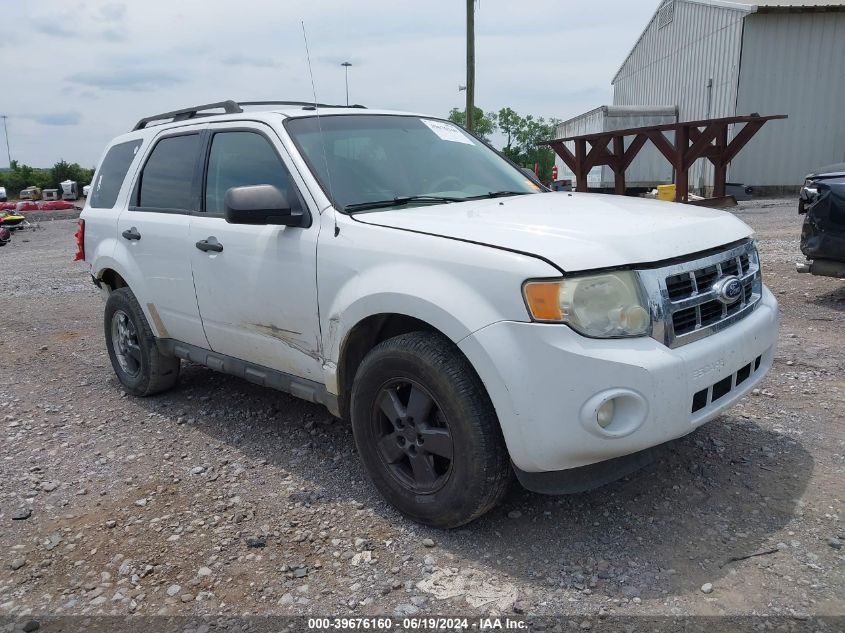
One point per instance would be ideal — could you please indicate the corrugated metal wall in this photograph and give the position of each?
(674, 63)
(792, 64)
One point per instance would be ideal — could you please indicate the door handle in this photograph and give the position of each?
(131, 234)
(210, 244)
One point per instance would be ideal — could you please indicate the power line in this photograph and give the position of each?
(6, 132)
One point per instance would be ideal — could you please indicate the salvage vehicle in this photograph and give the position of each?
(70, 190)
(395, 268)
(30, 193)
(822, 202)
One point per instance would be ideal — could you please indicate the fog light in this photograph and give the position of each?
(604, 416)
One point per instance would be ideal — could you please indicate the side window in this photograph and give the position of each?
(111, 173)
(238, 159)
(168, 175)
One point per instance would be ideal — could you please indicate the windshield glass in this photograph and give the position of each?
(361, 159)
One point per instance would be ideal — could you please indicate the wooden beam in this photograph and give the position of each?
(662, 143)
(565, 155)
(681, 169)
(598, 153)
(720, 167)
(702, 144)
(740, 140)
(633, 149)
(618, 165)
(580, 165)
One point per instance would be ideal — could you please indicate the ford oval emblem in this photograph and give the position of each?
(728, 290)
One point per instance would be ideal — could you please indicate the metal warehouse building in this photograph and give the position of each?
(720, 58)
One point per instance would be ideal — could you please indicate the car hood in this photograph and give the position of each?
(577, 231)
(837, 169)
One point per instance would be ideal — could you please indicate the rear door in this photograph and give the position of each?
(154, 234)
(258, 295)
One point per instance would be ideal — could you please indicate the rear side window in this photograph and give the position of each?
(111, 174)
(167, 178)
(241, 158)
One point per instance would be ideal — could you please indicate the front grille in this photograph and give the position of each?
(704, 398)
(689, 306)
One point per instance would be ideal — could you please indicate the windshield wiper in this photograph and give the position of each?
(502, 194)
(398, 201)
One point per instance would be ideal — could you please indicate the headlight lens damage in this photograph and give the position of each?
(605, 305)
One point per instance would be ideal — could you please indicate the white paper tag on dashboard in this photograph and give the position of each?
(448, 132)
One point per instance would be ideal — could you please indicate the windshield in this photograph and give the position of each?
(406, 160)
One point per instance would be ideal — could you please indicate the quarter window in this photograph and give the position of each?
(238, 159)
(111, 173)
(168, 175)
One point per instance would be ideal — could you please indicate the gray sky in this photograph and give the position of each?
(78, 73)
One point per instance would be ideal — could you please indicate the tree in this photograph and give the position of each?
(20, 176)
(509, 122)
(483, 124)
(524, 135)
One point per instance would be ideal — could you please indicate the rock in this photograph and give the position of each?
(707, 587)
(30, 626)
(172, 590)
(98, 601)
(187, 597)
(286, 600)
(630, 591)
(197, 470)
(835, 543)
(300, 572)
(203, 572)
(427, 542)
(514, 514)
(141, 503)
(406, 610)
(257, 541)
(586, 625)
(22, 515)
(49, 486)
(17, 564)
(111, 523)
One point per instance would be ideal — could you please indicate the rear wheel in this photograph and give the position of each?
(136, 360)
(427, 432)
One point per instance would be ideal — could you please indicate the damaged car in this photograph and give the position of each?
(822, 203)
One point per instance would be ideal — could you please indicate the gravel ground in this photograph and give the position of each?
(221, 497)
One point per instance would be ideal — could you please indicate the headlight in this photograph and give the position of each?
(604, 306)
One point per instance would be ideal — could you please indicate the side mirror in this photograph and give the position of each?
(260, 204)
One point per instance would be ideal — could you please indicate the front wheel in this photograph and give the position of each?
(427, 432)
(139, 365)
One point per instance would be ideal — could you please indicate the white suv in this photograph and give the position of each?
(399, 271)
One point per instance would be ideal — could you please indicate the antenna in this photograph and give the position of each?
(320, 128)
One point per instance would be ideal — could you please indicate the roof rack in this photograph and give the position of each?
(229, 107)
(305, 104)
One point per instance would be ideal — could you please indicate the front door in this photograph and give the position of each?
(256, 291)
(153, 231)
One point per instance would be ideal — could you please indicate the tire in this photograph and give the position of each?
(141, 368)
(448, 469)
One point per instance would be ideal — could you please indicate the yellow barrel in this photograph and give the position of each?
(666, 192)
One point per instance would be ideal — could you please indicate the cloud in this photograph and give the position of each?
(245, 60)
(54, 28)
(57, 118)
(111, 12)
(114, 35)
(130, 80)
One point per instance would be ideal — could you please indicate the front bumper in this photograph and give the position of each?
(547, 382)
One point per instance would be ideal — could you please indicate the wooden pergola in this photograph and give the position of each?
(693, 140)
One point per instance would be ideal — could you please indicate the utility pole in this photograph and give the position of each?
(6, 133)
(470, 63)
(346, 66)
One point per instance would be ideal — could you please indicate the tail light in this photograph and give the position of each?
(80, 241)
